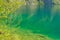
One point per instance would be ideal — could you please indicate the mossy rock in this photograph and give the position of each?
(9, 6)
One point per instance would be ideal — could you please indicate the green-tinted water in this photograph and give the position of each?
(40, 18)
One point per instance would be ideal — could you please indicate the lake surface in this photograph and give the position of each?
(39, 18)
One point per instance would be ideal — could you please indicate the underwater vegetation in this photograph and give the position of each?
(29, 19)
(11, 33)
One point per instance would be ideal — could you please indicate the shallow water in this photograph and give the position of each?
(39, 18)
(41, 21)
(44, 20)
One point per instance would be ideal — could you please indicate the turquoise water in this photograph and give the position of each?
(44, 20)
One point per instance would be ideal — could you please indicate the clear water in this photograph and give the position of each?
(40, 19)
